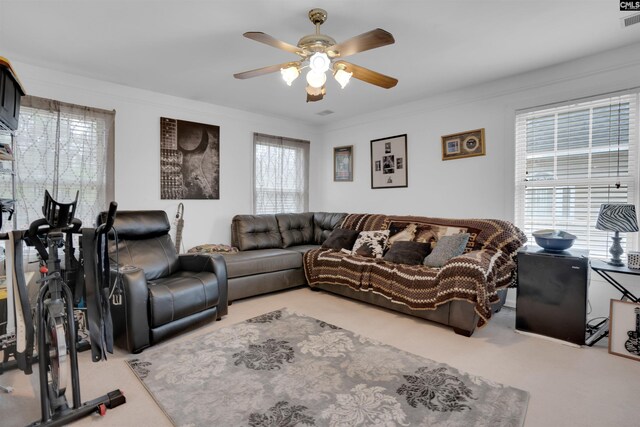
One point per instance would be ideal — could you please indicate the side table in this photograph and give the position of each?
(604, 270)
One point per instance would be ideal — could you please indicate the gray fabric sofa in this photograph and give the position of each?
(271, 249)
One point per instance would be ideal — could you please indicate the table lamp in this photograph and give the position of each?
(617, 218)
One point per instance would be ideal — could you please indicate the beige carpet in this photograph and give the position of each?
(568, 386)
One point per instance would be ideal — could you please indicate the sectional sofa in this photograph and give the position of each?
(285, 250)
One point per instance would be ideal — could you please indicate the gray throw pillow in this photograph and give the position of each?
(447, 248)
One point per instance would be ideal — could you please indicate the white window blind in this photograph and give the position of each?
(63, 148)
(281, 174)
(570, 159)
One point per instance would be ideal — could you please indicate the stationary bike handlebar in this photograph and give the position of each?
(41, 226)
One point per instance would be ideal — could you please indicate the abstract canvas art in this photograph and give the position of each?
(189, 160)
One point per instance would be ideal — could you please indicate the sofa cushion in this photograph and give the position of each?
(180, 295)
(371, 243)
(411, 253)
(341, 238)
(302, 248)
(447, 248)
(324, 223)
(255, 232)
(295, 228)
(261, 261)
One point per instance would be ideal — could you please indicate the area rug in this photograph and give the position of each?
(287, 369)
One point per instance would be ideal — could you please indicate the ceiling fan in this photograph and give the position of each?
(321, 53)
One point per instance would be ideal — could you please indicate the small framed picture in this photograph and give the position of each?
(463, 144)
(389, 162)
(624, 329)
(343, 163)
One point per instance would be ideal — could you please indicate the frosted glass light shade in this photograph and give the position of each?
(342, 77)
(316, 79)
(319, 62)
(289, 74)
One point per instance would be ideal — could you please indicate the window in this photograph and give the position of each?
(63, 148)
(572, 158)
(281, 174)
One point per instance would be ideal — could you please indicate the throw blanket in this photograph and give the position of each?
(486, 266)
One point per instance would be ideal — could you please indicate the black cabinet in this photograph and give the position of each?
(552, 293)
(10, 96)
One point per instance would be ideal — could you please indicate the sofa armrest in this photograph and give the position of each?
(483, 261)
(132, 315)
(213, 263)
(476, 272)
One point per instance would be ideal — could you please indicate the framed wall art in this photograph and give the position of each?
(389, 162)
(343, 163)
(624, 329)
(463, 144)
(189, 160)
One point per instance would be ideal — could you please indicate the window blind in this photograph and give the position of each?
(63, 148)
(570, 159)
(281, 174)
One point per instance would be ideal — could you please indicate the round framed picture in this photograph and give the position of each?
(470, 144)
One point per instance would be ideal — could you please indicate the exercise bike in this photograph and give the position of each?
(55, 323)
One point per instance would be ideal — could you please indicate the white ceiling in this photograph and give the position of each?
(192, 49)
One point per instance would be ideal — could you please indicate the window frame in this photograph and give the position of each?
(524, 216)
(302, 149)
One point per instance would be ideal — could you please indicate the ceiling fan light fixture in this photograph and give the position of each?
(319, 62)
(316, 79)
(342, 77)
(289, 74)
(315, 91)
(320, 53)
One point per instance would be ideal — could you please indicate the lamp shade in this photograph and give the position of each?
(617, 217)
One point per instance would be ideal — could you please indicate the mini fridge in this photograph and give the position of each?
(552, 293)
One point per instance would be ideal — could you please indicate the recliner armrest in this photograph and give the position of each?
(215, 264)
(133, 314)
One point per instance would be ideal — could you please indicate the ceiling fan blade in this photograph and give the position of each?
(271, 41)
(371, 40)
(261, 71)
(367, 75)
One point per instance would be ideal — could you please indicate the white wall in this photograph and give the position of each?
(137, 151)
(476, 186)
(470, 187)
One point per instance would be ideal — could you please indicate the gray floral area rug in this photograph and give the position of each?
(286, 369)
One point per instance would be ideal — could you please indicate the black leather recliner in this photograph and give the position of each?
(164, 292)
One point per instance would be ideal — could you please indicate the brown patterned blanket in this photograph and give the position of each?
(487, 265)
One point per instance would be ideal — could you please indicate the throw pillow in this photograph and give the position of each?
(447, 248)
(404, 235)
(212, 249)
(371, 243)
(411, 253)
(341, 238)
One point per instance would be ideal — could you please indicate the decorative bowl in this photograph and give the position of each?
(554, 240)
